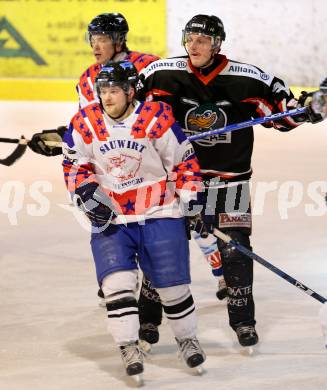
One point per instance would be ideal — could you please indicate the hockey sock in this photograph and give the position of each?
(179, 308)
(211, 252)
(122, 309)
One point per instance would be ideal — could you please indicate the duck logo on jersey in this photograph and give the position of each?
(124, 166)
(206, 117)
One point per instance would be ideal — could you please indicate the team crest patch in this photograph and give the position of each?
(230, 220)
(124, 166)
(205, 117)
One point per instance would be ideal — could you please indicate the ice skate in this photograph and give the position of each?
(192, 354)
(133, 361)
(102, 302)
(148, 335)
(247, 337)
(221, 294)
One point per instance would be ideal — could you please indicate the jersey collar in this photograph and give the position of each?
(222, 62)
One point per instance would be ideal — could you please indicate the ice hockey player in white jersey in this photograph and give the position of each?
(128, 165)
(107, 36)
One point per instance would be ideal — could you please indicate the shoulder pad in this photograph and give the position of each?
(234, 68)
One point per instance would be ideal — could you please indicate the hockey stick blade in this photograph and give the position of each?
(271, 267)
(249, 123)
(17, 153)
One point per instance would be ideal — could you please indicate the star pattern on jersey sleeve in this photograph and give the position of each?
(129, 206)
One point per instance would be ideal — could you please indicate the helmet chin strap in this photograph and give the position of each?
(211, 59)
(116, 53)
(123, 112)
(215, 51)
(209, 62)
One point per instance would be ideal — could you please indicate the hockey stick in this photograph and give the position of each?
(20, 149)
(249, 123)
(268, 265)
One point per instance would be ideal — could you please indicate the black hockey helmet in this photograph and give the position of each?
(207, 25)
(120, 73)
(113, 24)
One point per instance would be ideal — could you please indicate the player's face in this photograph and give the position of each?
(114, 100)
(199, 48)
(103, 48)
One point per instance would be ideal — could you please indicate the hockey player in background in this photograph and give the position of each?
(128, 165)
(208, 91)
(107, 35)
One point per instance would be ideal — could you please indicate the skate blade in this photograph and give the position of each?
(248, 351)
(102, 303)
(199, 370)
(145, 346)
(136, 380)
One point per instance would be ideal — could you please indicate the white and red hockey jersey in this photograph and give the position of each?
(144, 164)
(85, 86)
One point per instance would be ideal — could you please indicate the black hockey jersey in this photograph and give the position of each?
(229, 92)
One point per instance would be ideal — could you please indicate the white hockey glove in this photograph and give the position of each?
(319, 99)
(305, 100)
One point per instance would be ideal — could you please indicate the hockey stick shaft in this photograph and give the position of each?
(225, 129)
(268, 265)
(249, 123)
(10, 140)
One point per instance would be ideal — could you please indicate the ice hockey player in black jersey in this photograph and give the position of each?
(207, 91)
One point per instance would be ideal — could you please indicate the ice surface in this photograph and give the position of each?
(52, 332)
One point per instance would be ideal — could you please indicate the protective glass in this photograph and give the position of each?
(115, 37)
(188, 37)
(103, 84)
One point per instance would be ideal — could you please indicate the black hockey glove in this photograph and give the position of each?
(197, 224)
(48, 143)
(95, 204)
(197, 220)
